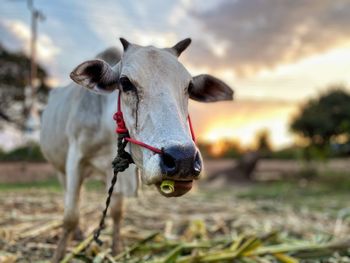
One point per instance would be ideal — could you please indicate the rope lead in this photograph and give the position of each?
(120, 163)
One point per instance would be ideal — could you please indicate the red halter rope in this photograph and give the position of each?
(121, 128)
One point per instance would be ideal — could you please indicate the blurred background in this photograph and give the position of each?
(286, 137)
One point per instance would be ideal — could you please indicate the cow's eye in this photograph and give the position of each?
(126, 84)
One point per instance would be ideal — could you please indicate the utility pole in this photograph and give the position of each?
(35, 16)
(31, 113)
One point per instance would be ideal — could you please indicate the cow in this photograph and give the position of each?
(78, 133)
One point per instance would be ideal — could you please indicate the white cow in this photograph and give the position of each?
(77, 134)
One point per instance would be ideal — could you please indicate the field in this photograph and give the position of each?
(272, 220)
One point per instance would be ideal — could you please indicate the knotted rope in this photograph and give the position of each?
(120, 163)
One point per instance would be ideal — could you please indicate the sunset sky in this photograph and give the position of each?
(274, 53)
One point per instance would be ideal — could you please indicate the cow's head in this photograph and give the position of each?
(155, 88)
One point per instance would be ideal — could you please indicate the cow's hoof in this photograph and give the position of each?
(117, 248)
(78, 234)
(57, 257)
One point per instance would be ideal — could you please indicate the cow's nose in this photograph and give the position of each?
(181, 161)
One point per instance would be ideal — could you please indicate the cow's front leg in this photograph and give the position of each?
(73, 182)
(117, 216)
(78, 233)
(117, 211)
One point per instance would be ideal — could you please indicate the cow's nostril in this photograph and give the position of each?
(197, 165)
(168, 160)
(168, 164)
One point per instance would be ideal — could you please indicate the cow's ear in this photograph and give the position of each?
(96, 75)
(206, 88)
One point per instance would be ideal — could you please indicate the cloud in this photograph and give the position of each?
(251, 35)
(139, 22)
(19, 36)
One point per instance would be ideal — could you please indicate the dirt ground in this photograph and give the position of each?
(23, 172)
(29, 224)
(30, 218)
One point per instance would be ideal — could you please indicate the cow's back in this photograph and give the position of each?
(75, 115)
(53, 139)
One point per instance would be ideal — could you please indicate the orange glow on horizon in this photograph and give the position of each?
(245, 134)
(217, 148)
(241, 122)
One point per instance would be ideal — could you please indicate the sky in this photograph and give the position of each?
(275, 54)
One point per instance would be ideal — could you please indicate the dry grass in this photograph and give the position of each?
(207, 226)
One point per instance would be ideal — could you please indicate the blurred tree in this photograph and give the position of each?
(14, 75)
(263, 142)
(325, 119)
(224, 148)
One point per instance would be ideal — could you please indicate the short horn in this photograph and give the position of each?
(125, 43)
(181, 46)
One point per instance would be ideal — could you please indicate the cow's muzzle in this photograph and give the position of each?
(181, 164)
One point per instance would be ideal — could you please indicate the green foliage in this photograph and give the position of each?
(308, 153)
(220, 149)
(204, 148)
(263, 143)
(328, 188)
(290, 153)
(325, 118)
(233, 150)
(30, 153)
(51, 184)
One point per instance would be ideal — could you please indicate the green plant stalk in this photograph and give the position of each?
(135, 246)
(250, 245)
(283, 258)
(218, 256)
(338, 246)
(173, 254)
(185, 246)
(110, 258)
(80, 247)
(99, 258)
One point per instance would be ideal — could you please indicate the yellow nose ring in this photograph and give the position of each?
(167, 186)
